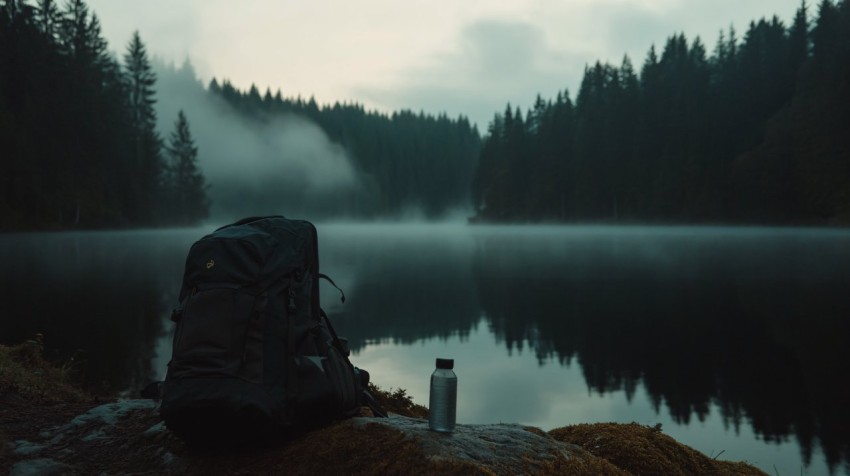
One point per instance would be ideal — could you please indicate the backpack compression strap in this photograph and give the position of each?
(337, 341)
(366, 397)
(373, 404)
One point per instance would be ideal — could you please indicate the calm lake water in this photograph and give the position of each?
(735, 340)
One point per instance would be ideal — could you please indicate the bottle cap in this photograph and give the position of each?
(445, 364)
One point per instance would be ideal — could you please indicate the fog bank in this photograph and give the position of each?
(284, 165)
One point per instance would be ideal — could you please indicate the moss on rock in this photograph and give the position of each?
(641, 449)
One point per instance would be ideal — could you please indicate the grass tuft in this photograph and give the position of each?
(398, 401)
(26, 373)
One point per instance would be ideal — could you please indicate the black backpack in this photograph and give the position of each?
(253, 352)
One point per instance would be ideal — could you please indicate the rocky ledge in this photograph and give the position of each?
(49, 427)
(128, 437)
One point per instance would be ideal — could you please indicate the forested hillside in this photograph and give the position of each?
(758, 131)
(405, 159)
(81, 145)
(78, 144)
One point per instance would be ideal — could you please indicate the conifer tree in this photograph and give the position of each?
(799, 38)
(826, 33)
(147, 166)
(48, 18)
(187, 185)
(81, 36)
(141, 79)
(214, 87)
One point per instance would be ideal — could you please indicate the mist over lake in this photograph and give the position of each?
(735, 339)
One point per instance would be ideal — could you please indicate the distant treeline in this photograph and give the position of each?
(78, 145)
(757, 132)
(408, 160)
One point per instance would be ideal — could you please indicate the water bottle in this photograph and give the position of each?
(443, 399)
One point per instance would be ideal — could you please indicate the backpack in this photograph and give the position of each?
(253, 352)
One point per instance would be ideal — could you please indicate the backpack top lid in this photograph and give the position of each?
(256, 251)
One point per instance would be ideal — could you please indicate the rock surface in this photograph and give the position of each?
(501, 448)
(128, 437)
(49, 426)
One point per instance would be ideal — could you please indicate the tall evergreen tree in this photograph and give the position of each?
(799, 38)
(48, 17)
(93, 89)
(826, 33)
(141, 79)
(146, 142)
(81, 36)
(186, 185)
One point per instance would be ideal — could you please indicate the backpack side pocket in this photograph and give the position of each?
(341, 375)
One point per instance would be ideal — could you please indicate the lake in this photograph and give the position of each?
(736, 340)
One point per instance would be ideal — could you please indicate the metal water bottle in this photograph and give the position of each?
(443, 400)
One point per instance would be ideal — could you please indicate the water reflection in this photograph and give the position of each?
(756, 326)
(97, 297)
(750, 325)
(402, 285)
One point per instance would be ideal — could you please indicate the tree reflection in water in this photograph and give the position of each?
(760, 329)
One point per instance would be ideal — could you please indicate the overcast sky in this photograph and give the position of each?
(463, 57)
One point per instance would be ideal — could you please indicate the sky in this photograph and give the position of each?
(467, 57)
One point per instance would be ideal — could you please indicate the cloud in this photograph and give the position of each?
(467, 57)
(172, 34)
(544, 49)
(502, 50)
(631, 30)
(493, 62)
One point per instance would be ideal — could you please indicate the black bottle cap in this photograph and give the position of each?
(445, 364)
